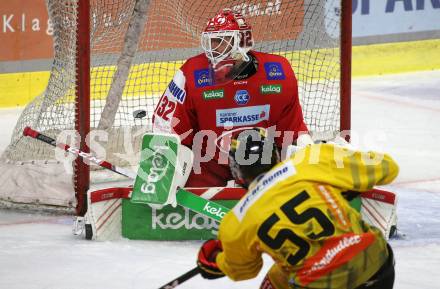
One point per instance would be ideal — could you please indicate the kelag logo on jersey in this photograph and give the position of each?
(274, 71)
(270, 89)
(178, 93)
(213, 94)
(242, 97)
(242, 116)
(202, 77)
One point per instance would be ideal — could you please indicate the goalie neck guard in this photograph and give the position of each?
(251, 154)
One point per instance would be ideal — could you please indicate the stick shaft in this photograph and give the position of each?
(186, 199)
(102, 163)
(182, 278)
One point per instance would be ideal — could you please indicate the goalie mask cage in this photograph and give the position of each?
(113, 57)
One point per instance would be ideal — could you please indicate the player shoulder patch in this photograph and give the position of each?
(177, 86)
(271, 178)
(178, 93)
(274, 71)
(202, 78)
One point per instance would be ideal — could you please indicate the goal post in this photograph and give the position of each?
(115, 57)
(345, 58)
(82, 100)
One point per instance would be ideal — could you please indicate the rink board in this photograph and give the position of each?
(143, 222)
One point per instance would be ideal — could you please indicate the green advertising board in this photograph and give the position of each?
(142, 222)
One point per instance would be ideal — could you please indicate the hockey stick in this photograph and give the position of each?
(182, 278)
(27, 131)
(184, 198)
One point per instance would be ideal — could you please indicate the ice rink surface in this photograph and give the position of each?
(398, 114)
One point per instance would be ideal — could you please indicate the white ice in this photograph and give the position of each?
(398, 114)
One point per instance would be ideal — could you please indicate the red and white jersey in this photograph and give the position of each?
(192, 105)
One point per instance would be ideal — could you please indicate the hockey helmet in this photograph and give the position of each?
(251, 154)
(226, 39)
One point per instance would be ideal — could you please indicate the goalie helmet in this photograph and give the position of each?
(226, 39)
(251, 154)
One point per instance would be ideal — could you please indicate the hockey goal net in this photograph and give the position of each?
(114, 57)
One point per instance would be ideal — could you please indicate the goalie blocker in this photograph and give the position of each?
(164, 167)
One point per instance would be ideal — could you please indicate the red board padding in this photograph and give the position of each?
(380, 195)
(110, 193)
(124, 193)
(223, 194)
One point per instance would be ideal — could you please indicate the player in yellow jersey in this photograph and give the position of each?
(295, 212)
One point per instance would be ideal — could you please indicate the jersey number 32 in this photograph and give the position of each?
(165, 107)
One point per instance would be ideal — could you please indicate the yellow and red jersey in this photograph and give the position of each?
(297, 214)
(193, 103)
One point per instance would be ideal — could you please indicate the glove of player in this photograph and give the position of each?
(206, 259)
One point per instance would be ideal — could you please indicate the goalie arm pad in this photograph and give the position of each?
(185, 158)
(302, 141)
(305, 139)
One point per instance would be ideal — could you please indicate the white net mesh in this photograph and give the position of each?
(133, 57)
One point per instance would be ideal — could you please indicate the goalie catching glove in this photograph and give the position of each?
(206, 259)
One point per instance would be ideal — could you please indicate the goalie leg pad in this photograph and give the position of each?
(102, 221)
(379, 209)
